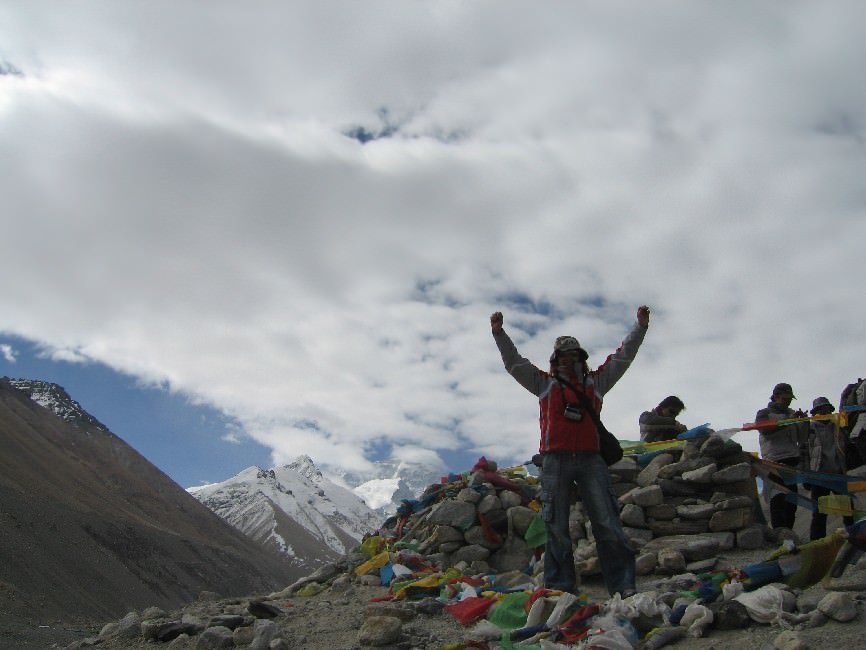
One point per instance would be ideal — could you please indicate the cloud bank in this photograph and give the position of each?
(305, 214)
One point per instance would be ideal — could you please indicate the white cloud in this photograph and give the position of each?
(189, 211)
(8, 353)
(233, 437)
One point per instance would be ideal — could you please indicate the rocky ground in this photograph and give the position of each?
(336, 608)
(334, 618)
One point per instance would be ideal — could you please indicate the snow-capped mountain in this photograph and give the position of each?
(295, 508)
(388, 483)
(55, 398)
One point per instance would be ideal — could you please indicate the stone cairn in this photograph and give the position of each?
(680, 510)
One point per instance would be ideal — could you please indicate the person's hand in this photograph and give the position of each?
(643, 313)
(682, 427)
(496, 320)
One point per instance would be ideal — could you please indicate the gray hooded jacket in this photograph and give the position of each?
(781, 443)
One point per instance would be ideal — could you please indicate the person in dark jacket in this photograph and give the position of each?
(783, 445)
(569, 447)
(827, 455)
(661, 423)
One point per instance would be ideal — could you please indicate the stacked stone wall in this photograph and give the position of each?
(679, 510)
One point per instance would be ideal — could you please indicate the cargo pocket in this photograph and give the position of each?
(547, 505)
(547, 497)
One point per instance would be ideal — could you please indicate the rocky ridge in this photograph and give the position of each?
(55, 399)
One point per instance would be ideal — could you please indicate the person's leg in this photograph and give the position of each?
(783, 513)
(556, 482)
(818, 527)
(790, 508)
(615, 553)
(790, 513)
(778, 509)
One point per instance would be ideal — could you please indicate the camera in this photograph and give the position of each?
(573, 412)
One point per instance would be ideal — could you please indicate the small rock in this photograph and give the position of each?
(730, 615)
(109, 630)
(261, 609)
(650, 473)
(789, 640)
(646, 563)
(264, 631)
(838, 606)
(388, 609)
(733, 473)
(429, 606)
(701, 475)
(696, 511)
(182, 642)
(647, 496)
(701, 566)
(807, 601)
(151, 613)
(208, 596)
(244, 635)
(169, 630)
(731, 519)
(471, 553)
(510, 499)
(632, 515)
(751, 537)
(214, 638)
(816, 618)
(488, 503)
(380, 630)
(231, 621)
(671, 561)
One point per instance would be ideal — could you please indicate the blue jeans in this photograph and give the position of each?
(589, 471)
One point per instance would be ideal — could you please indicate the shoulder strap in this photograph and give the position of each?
(584, 400)
(608, 445)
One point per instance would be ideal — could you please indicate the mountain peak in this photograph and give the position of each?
(292, 508)
(55, 398)
(388, 482)
(305, 466)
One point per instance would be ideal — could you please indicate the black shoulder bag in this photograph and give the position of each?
(608, 445)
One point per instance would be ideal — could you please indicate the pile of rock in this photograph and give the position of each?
(331, 608)
(705, 486)
(681, 507)
(685, 505)
(210, 622)
(478, 526)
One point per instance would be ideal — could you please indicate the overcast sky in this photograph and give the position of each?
(302, 214)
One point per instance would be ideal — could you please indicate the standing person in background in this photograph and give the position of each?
(570, 450)
(781, 445)
(661, 423)
(826, 454)
(854, 395)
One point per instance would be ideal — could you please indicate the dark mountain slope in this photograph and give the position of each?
(90, 529)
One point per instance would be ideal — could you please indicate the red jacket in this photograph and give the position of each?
(559, 433)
